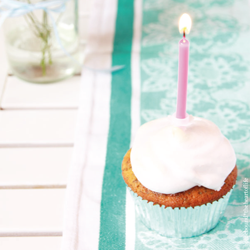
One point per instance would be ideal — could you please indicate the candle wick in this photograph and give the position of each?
(184, 34)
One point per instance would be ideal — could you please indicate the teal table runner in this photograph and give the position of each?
(143, 35)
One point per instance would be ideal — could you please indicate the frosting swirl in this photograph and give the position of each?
(170, 157)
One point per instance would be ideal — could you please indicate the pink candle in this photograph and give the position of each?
(184, 27)
(182, 78)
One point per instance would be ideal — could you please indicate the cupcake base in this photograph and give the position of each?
(180, 222)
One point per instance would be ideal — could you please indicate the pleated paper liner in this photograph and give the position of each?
(180, 222)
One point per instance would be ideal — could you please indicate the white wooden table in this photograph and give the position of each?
(36, 141)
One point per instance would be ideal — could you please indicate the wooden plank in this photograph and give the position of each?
(31, 128)
(84, 8)
(34, 167)
(34, 243)
(84, 15)
(23, 95)
(31, 210)
(83, 31)
(34, 233)
(32, 186)
(3, 63)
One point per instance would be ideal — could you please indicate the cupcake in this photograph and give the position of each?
(180, 173)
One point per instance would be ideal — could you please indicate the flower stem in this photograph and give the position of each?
(42, 31)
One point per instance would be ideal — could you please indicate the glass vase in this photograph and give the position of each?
(43, 46)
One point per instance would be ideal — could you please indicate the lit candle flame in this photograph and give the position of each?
(185, 24)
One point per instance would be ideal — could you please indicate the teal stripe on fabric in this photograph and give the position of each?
(112, 222)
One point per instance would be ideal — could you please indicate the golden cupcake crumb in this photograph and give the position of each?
(195, 196)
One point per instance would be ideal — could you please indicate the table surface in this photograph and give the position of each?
(36, 144)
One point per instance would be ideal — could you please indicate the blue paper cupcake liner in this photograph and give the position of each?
(180, 222)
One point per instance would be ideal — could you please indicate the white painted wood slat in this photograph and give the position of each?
(3, 64)
(30, 233)
(24, 95)
(34, 167)
(31, 127)
(31, 210)
(31, 243)
(32, 186)
(84, 14)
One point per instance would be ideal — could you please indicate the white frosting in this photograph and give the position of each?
(171, 155)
